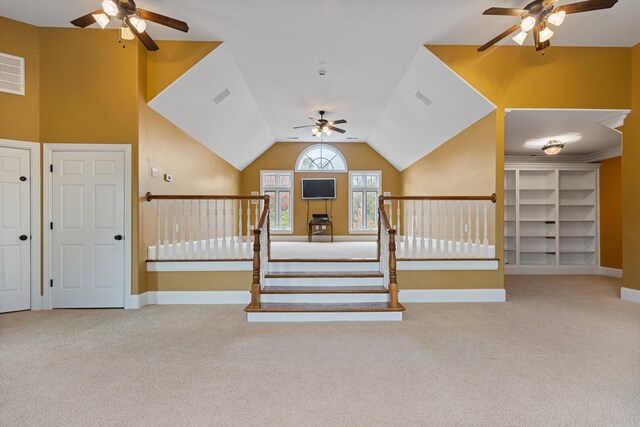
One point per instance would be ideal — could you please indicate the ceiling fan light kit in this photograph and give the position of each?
(133, 21)
(537, 15)
(323, 125)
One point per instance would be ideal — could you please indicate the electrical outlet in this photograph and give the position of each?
(168, 177)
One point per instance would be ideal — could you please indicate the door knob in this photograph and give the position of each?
(24, 237)
(118, 237)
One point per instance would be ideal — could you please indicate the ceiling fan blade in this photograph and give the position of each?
(86, 20)
(498, 38)
(146, 40)
(307, 126)
(504, 11)
(163, 20)
(338, 122)
(587, 6)
(336, 129)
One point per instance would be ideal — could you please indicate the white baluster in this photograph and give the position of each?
(438, 231)
(183, 246)
(173, 230)
(469, 250)
(199, 233)
(486, 232)
(445, 239)
(414, 220)
(421, 229)
(233, 230)
(406, 229)
(461, 250)
(398, 219)
(224, 228)
(391, 213)
(430, 236)
(158, 254)
(477, 248)
(248, 242)
(453, 232)
(191, 229)
(208, 237)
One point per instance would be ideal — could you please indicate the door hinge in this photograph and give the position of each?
(51, 283)
(50, 168)
(51, 225)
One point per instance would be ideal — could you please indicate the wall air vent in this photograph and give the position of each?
(426, 101)
(11, 74)
(221, 96)
(352, 137)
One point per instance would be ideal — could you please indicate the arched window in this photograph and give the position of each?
(321, 158)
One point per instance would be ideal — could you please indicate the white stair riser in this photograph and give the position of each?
(325, 281)
(312, 267)
(323, 298)
(350, 316)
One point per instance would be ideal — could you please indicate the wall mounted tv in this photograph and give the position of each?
(319, 188)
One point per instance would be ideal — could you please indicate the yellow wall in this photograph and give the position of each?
(631, 183)
(611, 213)
(200, 281)
(518, 77)
(20, 115)
(195, 169)
(283, 156)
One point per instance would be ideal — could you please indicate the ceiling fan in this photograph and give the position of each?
(133, 20)
(323, 125)
(537, 16)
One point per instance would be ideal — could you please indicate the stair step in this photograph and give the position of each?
(323, 308)
(325, 290)
(343, 260)
(328, 274)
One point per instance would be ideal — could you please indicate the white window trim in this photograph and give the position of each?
(314, 147)
(351, 173)
(291, 201)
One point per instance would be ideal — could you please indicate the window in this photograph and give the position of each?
(321, 158)
(364, 190)
(278, 186)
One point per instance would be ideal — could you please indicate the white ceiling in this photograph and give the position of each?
(365, 46)
(524, 125)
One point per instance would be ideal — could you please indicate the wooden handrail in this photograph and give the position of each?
(151, 197)
(256, 287)
(493, 198)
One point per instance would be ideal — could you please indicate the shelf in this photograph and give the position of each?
(577, 220)
(537, 189)
(577, 189)
(537, 204)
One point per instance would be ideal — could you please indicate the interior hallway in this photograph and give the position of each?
(562, 350)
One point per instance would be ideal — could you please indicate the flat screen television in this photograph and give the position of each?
(319, 188)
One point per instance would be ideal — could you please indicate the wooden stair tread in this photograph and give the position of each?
(325, 274)
(346, 260)
(323, 308)
(324, 290)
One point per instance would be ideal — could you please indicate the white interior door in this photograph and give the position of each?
(15, 230)
(88, 213)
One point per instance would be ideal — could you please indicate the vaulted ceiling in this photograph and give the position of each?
(366, 47)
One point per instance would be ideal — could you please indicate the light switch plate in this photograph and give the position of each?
(154, 172)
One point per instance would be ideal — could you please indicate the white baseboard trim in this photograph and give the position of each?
(452, 295)
(551, 270)
(611, 272)
(200, 266)
(631, 295)
(244, 297)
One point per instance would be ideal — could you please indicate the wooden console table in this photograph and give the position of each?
(318, 225)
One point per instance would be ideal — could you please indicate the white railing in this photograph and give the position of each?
(441, 227)
(204, 227)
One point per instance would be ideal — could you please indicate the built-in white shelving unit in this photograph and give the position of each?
(551, 218)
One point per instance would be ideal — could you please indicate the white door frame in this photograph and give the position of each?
(49, 149)
(37, 301)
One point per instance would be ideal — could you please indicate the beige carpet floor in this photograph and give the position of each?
(561, 351)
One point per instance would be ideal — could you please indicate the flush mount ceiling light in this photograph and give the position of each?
(536, 16)
(132, 20)
(565, 138)
(552, 147)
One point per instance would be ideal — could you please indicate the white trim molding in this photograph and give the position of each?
(435, 265)
(611, 272)
(191, 298)
(631, 295)
(37, 301)
(199, 266)
(451, 295)
(49, 149)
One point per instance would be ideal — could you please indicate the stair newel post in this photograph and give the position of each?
(393, 279)
(255, 285)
